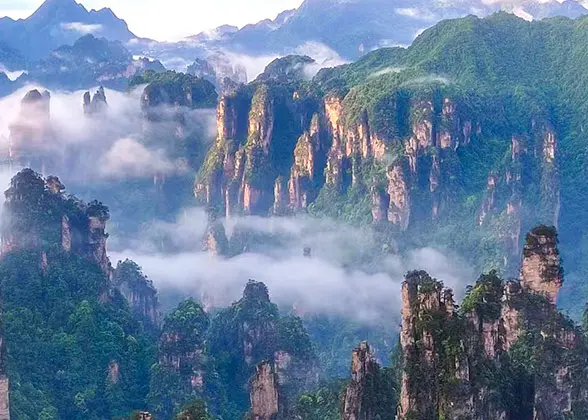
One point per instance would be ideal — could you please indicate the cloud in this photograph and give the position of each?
(82, 28)
(428, 80)
(346, 276)
(417, 13)
(129, 158)
(119, 143)
(384, 71)
(319, 52)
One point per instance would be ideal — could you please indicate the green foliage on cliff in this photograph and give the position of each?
(322, 404)
(485, 298)
(63, 338)
(172, 88)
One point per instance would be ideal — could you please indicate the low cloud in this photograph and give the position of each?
(387, 70)
(81, 28)
(427, 80)
(129, 158)
(118, 143)
(346, 275)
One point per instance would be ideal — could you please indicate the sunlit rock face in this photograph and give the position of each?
(497, 320)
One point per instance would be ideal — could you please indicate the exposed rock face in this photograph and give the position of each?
(96, 104)
(421, 300)
(399, 210)
(265, 395)
(309, 158)
(181, 346)
(84, 233)
(541, 271)
(215, 239)
(363, 371)
(4, 399)
(496, 332)
(219, 70)
(31, 133)
(138, 290)
(414, 152)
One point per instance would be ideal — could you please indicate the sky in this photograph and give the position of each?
(170, 20)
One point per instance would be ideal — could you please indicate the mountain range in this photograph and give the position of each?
(369, 24)
(60, 22)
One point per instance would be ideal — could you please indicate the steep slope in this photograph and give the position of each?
(464, 140)
(73, 346)
(60, 22)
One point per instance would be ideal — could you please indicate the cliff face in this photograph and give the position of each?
(509, 332)
(272, 354)
(30, 135)
(364, 370)
(95, 104)
(39, 214)
(138, 291)
(182, 354)
(265, 394)
(280, 150)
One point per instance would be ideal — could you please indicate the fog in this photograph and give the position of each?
(346, 275)
(116, 144)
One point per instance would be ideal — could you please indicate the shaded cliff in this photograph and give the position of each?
(254, 345)
(95, 104)
(138, 290)
(63, 321)
(370, 393)
(39, 215)
(507, 353)
(31, 133)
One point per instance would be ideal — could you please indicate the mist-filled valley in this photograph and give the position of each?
(356, 210)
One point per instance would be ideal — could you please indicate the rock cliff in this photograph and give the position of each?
(364, 371)
(283, 148)
(265, 394)
(30, 137)
(39, 215)
(95, 104)
(509, 333)
(272, 354)
(138, 290)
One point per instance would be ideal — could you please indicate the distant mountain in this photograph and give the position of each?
(60, 22)
(89, 62)
(353, 27)
(11, 59)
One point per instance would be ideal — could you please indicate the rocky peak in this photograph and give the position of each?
(364, 371)
(96, 104)
(485, 337)
(181, 347)
(39, 216)
(31, 132)
(138, 290)
(256, 291)
(215, 239)
(541, 270)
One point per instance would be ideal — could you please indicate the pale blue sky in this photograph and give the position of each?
(170, 19)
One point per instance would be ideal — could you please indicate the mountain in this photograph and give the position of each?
(464, 140)
(505, 353)
(369, 24)
(60, 22)
(90, 61)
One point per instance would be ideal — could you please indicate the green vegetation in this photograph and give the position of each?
(172, 88)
